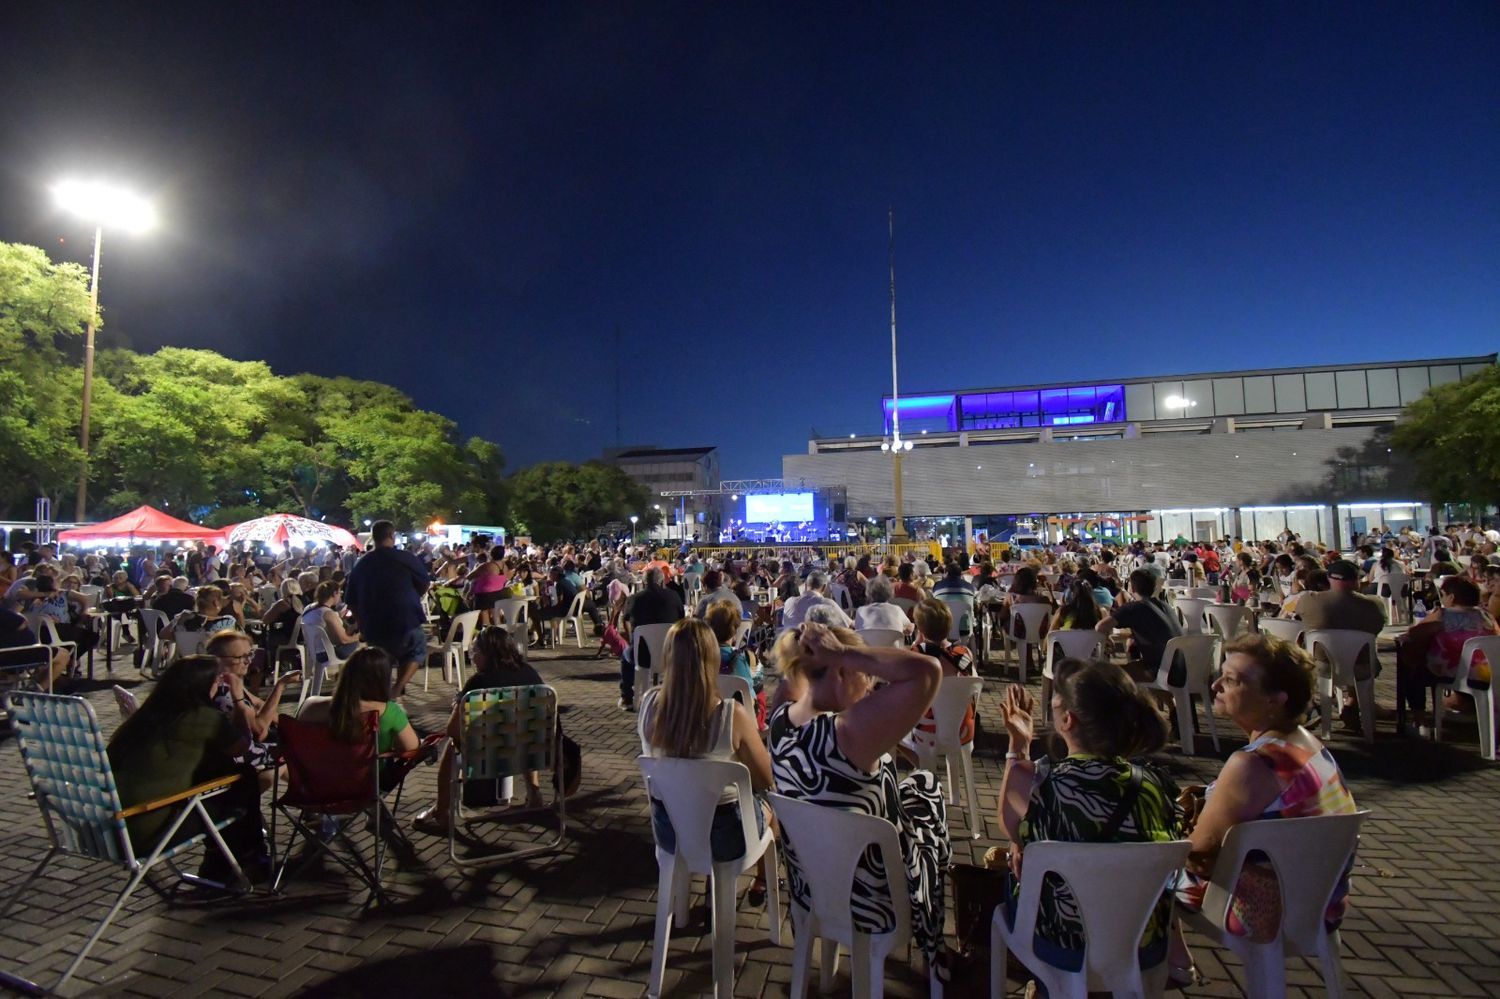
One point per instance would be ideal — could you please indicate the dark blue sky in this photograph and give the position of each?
(467, 205)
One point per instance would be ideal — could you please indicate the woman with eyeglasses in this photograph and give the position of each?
(253, 717)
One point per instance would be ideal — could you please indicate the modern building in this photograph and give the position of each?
(676, 469)
(1236, 453)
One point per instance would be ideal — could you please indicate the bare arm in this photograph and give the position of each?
(336, 628)
(749, 749)
(1020, 772)
(1245, 788)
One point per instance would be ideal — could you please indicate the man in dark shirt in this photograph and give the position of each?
(168, 599)
(1151, 621)
(653, 604)
(385, 593)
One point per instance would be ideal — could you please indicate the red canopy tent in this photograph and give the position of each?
(142, 524)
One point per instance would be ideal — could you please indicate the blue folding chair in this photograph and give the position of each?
(64, 755)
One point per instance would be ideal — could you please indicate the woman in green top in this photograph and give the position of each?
(176, 740)
(365, 686)
(1103, 719)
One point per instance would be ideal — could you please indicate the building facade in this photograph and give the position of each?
(1237, 453)
(676, 469)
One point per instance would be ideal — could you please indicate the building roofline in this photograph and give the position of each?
(664, 452)
(1245, 373)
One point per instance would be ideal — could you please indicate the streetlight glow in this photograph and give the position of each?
(104, 205)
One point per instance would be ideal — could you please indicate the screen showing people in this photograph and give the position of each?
(766, 508)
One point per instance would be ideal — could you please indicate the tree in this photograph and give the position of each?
(557, 500)
(1452, 435)
(42, 305)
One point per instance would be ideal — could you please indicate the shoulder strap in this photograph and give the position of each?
(1122, 810)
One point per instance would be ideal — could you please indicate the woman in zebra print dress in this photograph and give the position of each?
(831, 744)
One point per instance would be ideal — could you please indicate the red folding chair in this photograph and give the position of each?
(334, 783)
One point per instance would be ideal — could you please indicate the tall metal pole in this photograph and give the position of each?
(898, 527)
(88, 380)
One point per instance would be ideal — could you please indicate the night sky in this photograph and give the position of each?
(469, 205)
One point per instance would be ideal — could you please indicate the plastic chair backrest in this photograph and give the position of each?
(1203, 592)
(840, 594)
(961, 605)
(1283, 628)
(1310, 856)
(189, 643)
(1116, 887)
(1075, 643)
(24, 658)
(125, 701)
(951, 704)
(882, 638)
(462, 628)
(906, 604)
(1393, 584)
(1342, 647)
(152, 622)
(1485, 645)
(512, 609)
(1228, 619)
(64, 755)
(324, 774)
(652, 637)
(732, 685)
(575, 609)
(828, 843)
(318, 642)
(1191, 609)
(507, 731)
(1027, 621)
(690, 791)
(1200, 652)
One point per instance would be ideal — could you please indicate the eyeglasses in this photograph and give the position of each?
(239, 659)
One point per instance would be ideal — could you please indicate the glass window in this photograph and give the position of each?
(1229, 396)
(1352, 394)
(1289, 395)
(1201, 395)
(1166, 393)
(1260, 394)
(1442, 374)
(1140, 402)
(1383, 390)
(1320, 391)
(1054, 404)
(1413, 384)
(1025, 402)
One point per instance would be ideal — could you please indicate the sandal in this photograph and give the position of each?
(428, 821)
(1179, 978)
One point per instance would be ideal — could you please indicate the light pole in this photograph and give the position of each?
(102, 205)
(895, 445)
(633, 519)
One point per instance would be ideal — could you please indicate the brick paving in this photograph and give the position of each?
(580, 923)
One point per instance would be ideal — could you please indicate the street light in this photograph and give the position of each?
(103, 205)
(633, 519)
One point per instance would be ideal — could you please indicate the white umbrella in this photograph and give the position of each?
(286, 530)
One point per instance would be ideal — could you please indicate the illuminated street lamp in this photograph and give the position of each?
(102, 205)
(633, 519)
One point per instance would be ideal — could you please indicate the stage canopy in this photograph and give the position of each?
(142, 524)
(287, 530)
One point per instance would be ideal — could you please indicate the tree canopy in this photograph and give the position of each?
(556, 500)
(1452, 436)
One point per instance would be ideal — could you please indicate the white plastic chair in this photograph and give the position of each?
(690, 790)
(1117, 887)
(840, 594)
(455, 648)
(733, 685)
(1074, 643)
(1228, 620)
(295, 645)
(1191, 609)
(651, 637)
(1342, 646)
(1310, 857)
(153, 649)
(882, 638)
(125, 701)
(1200, 653)
(1024, 631)
(1484, 698)
(516, 615)
(1394, 589)
(1284, 628)
(573, 617)
(906, 604)
(188, 643)
(961, 606)
(315, 640)
(955, 695)
(829, 843)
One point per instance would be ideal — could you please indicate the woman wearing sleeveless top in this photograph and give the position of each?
(685, 718)
(1284, 772)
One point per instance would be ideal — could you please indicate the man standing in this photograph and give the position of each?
(385, 593)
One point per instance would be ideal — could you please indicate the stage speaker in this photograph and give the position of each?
(838, 513)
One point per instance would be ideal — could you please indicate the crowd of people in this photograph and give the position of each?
(832, 714)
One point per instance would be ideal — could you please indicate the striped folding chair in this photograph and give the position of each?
(64, 755)
(505, 732)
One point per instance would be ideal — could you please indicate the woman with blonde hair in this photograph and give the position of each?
(685, 718)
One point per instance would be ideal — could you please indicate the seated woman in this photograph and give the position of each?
(496, 664)
(253, 717)
(1428, 653)
(174, 741)
(320, 613)
(242, 603)
(724, 619)
(364, 688)
(62, 607)
(831, 744)
(880, 612)
(1080, 611)
(120, 586)
(906, 583)
(686, 718)
(1284, 772)
(281, 617)
(206, 617)
(1092, 795)
(934, 623)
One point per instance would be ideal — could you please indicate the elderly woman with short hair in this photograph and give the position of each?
(880, 612)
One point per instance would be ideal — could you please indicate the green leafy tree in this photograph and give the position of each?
(1452, 436)
(557, 500)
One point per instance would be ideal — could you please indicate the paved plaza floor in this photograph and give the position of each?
(580, 923)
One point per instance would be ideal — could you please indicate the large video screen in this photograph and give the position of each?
(763, 508)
